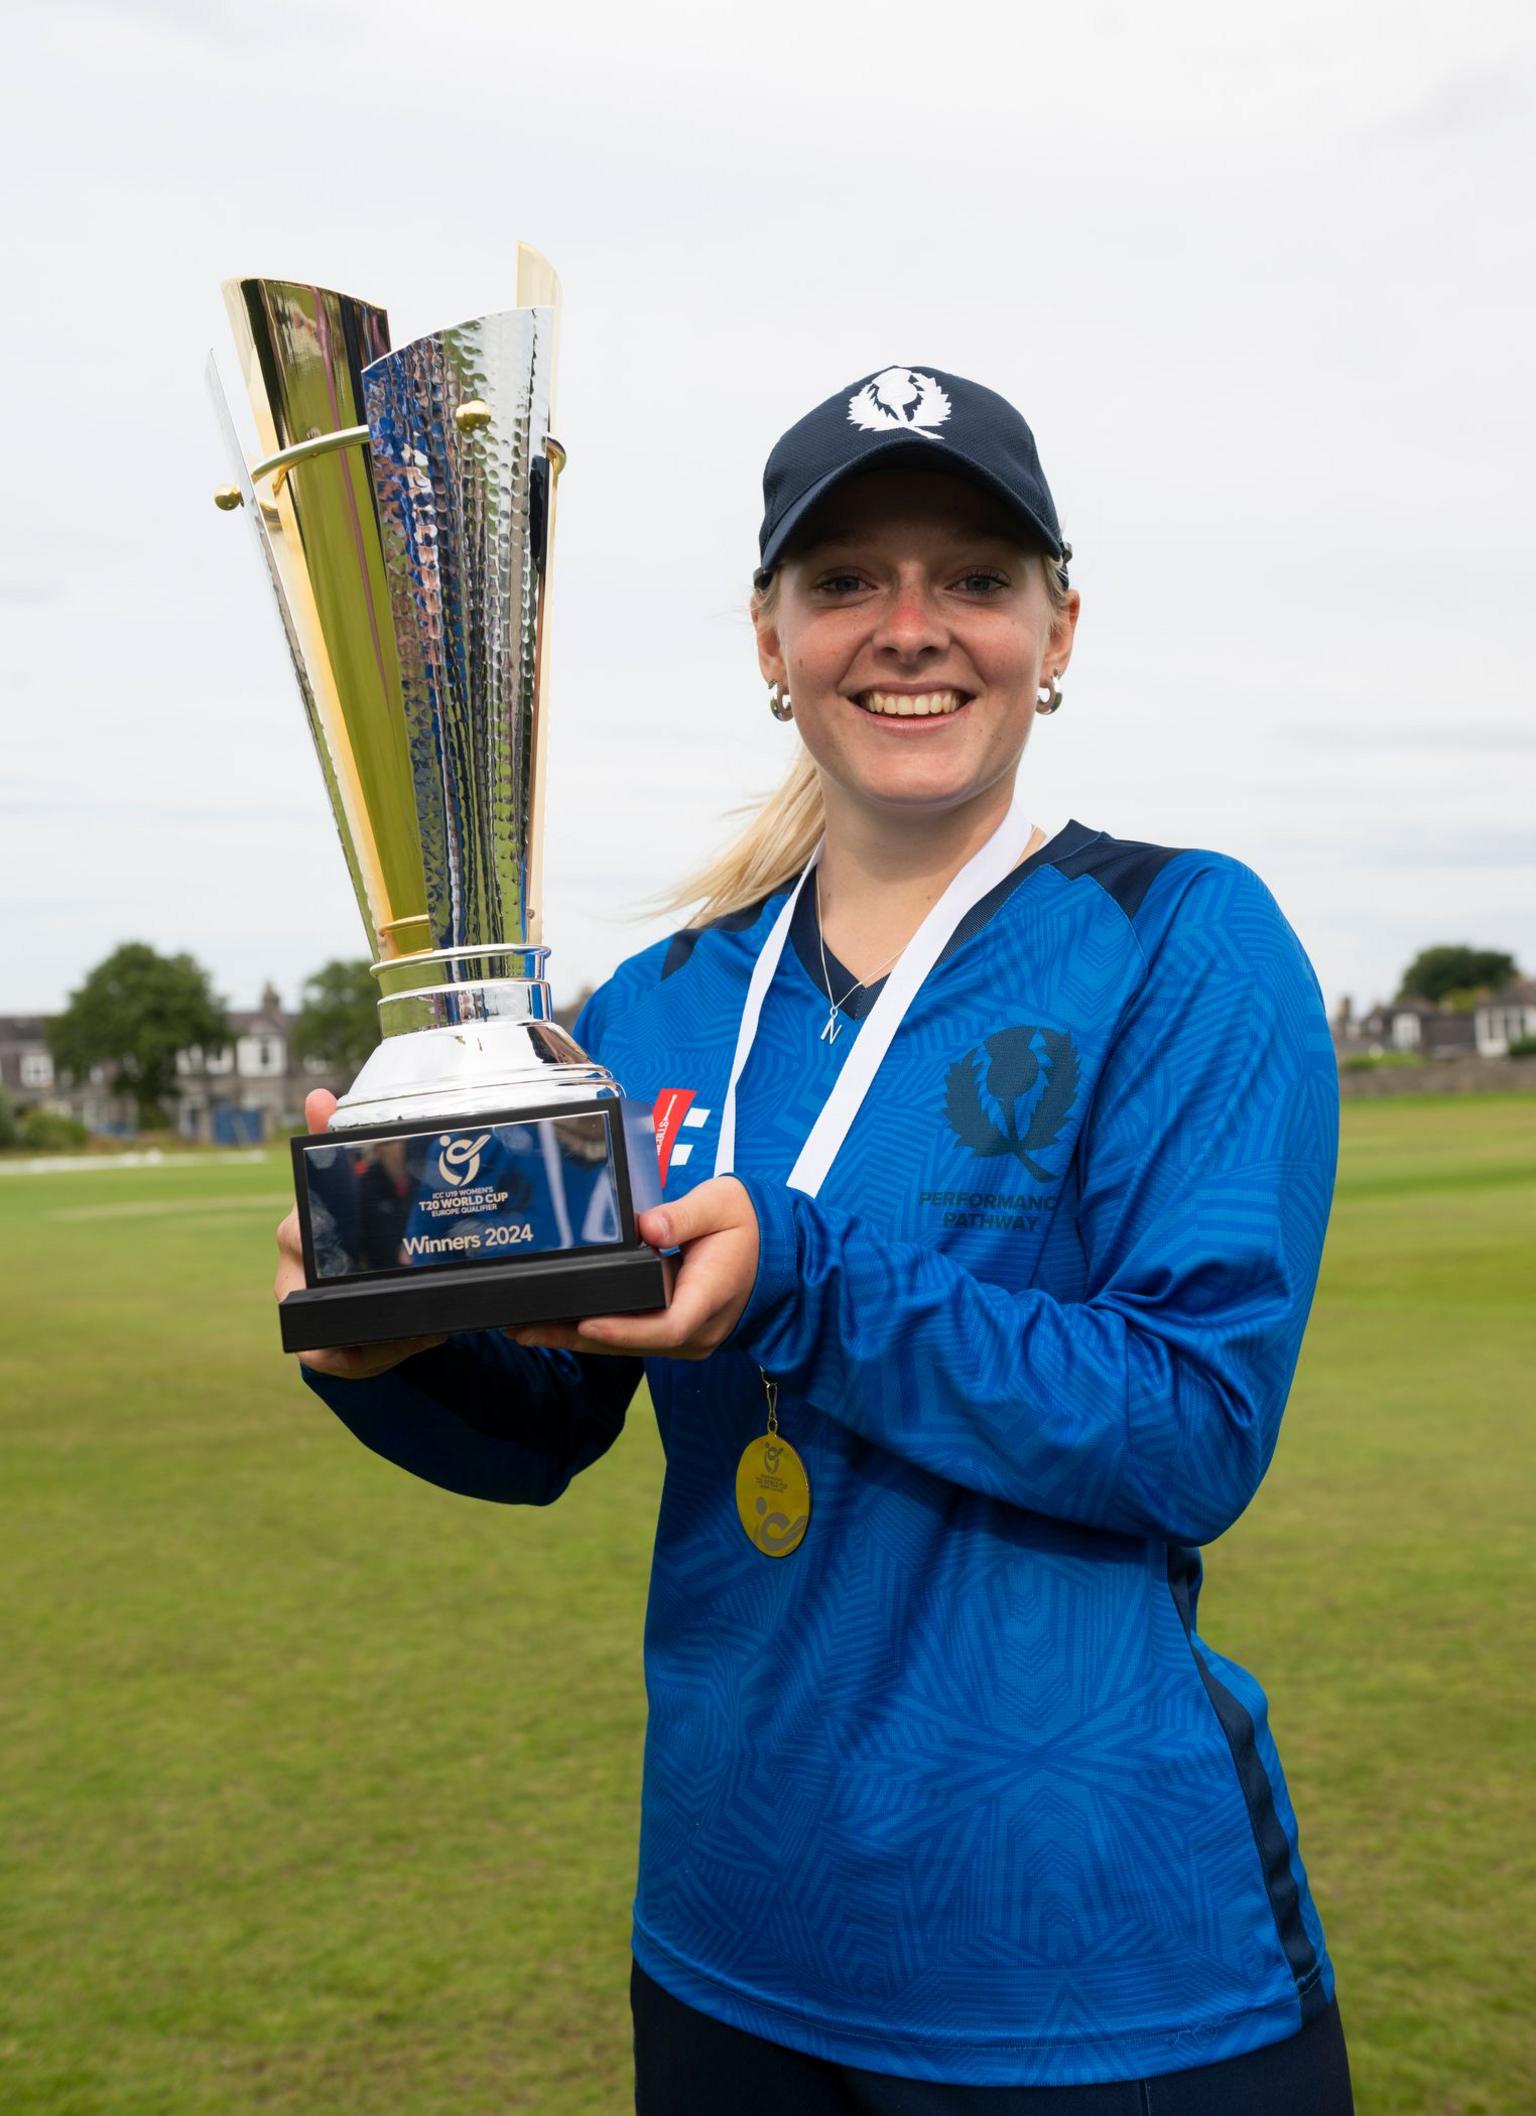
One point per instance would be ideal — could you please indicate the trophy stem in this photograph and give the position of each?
(486, 995)
(482, 1046)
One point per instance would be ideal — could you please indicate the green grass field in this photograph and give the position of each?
(320, 1786)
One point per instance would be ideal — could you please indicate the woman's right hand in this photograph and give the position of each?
(345, 1362)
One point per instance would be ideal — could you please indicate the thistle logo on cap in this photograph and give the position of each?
(900, 397)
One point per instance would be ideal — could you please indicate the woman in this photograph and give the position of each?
(999, 1157)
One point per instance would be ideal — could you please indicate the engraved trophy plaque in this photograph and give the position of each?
(482, 1171)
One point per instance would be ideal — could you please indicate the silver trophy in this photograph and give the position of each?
(482, 1170)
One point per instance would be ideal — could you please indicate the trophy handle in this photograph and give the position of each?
(228, 497)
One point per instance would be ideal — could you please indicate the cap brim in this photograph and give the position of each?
(902, 447)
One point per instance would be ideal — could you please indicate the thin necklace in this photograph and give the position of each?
(834, 1027)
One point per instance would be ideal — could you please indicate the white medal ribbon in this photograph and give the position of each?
(983, 871)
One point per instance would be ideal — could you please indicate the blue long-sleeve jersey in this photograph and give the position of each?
(957, 1790)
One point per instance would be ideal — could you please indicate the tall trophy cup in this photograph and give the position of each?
(482, 1171)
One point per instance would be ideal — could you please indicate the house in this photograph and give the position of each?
(1508, 1014)
(1415, 1025)
(26, 1063)
(1427, 1030)
(29, 1080)
(250, 1089)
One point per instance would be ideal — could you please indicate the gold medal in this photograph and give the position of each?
(773, 1492)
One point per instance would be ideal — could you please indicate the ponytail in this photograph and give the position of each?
(766, 857)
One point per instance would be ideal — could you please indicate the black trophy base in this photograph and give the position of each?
(476, 1297)
(522, 1216)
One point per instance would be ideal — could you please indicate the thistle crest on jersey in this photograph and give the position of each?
(899, 398)
(987, 1095)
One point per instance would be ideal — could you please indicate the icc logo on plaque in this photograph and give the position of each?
(459, 1161)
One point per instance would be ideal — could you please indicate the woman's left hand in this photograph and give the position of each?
(716, 1229)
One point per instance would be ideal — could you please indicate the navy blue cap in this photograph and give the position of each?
(907, 414)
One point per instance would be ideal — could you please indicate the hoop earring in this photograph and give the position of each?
(779, 703)
(1048, 701)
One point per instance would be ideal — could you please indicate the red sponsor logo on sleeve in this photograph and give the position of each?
(672, 1105)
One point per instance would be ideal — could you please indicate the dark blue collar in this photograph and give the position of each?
(805, 933)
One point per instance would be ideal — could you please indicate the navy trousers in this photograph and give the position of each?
(687, 2064)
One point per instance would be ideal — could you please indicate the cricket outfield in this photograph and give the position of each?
(320, 1785)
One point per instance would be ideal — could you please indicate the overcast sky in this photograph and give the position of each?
(1261, 280)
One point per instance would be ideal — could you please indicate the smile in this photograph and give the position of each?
(909, 705)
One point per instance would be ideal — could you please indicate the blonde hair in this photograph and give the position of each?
(782, 834)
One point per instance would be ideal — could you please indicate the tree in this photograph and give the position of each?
(135, 1011)
(1434, 973)
(338, 1017)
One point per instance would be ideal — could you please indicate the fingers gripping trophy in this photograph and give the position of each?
(482, 1171)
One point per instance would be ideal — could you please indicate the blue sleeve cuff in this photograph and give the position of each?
(335, 1389)
(482, 1416)
(777, 1259)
